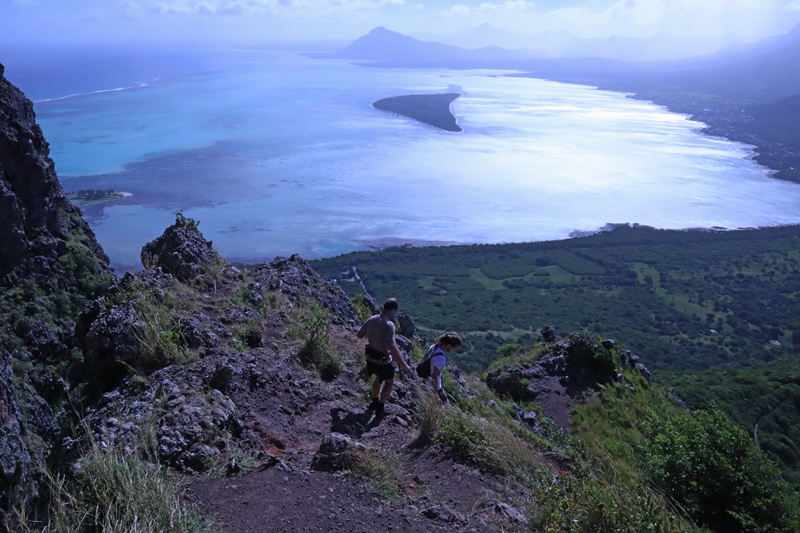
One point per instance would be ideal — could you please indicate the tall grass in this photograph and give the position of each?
(158, 334)
(566, 504)
(156, 330)
(117, 492)
(317, 351)
(483, 441)
(379, 468)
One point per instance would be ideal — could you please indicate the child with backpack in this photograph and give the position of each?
(433, 363)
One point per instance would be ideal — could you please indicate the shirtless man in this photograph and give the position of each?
(381, 350)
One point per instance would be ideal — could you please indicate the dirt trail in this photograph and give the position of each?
(436, 494)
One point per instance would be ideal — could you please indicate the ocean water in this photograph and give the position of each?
(275, 153)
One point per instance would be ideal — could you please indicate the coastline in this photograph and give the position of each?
(379, 245)
(722, 119)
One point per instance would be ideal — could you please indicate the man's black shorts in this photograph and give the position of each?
(382, 372)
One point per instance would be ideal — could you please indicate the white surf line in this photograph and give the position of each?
(138, 85)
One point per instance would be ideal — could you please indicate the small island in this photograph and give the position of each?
(93, 196)
(433, 109)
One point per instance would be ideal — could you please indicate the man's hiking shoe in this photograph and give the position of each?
(379, 409)
(374, 405)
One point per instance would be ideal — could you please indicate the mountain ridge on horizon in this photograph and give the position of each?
(382, 44)
(565, 44)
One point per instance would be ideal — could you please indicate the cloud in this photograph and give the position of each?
(263, 7)
(734, 19)
(489, 9)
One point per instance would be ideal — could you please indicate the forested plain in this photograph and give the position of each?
(713, 313)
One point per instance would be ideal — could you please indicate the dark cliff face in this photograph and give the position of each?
(50, 266)
(36, 220)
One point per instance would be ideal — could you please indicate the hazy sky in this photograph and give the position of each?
(255, 21)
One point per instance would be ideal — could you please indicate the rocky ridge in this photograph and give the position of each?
(238, 409)
(50, 266)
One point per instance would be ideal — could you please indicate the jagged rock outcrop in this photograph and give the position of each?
(50, 266)
(407, 327)
(181, 250)
(15, 461)
(36, 220)
(224, 359)
(110, 330)
(548, 334)
(372, 304)
(295, 278)
(570, 368)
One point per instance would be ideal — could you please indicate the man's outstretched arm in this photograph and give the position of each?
(398, 358)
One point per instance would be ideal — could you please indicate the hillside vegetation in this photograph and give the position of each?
(685, 301)
(662, 291)
(202, 386)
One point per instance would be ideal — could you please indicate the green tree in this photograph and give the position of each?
(712, 469)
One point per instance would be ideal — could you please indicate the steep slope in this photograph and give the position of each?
(249, 384)
(50, 266)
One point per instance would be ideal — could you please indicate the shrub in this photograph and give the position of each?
(182, 221)
(507, 350)
(361, 308)
(461, 435)
(586, 354)
(317, 351)
(711, 467)
(587, 505)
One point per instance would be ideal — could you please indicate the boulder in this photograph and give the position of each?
(403, 343)
(111, 340)
(443, 514)
(194, 430)
(548, 334)
(192, 335)
(181, 250)
(513, 382)
(222, 379)
(330, 456)
(529, 418)
(407, 327)
(512, 514)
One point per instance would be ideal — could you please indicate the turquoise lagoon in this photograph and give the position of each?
(276, 153)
